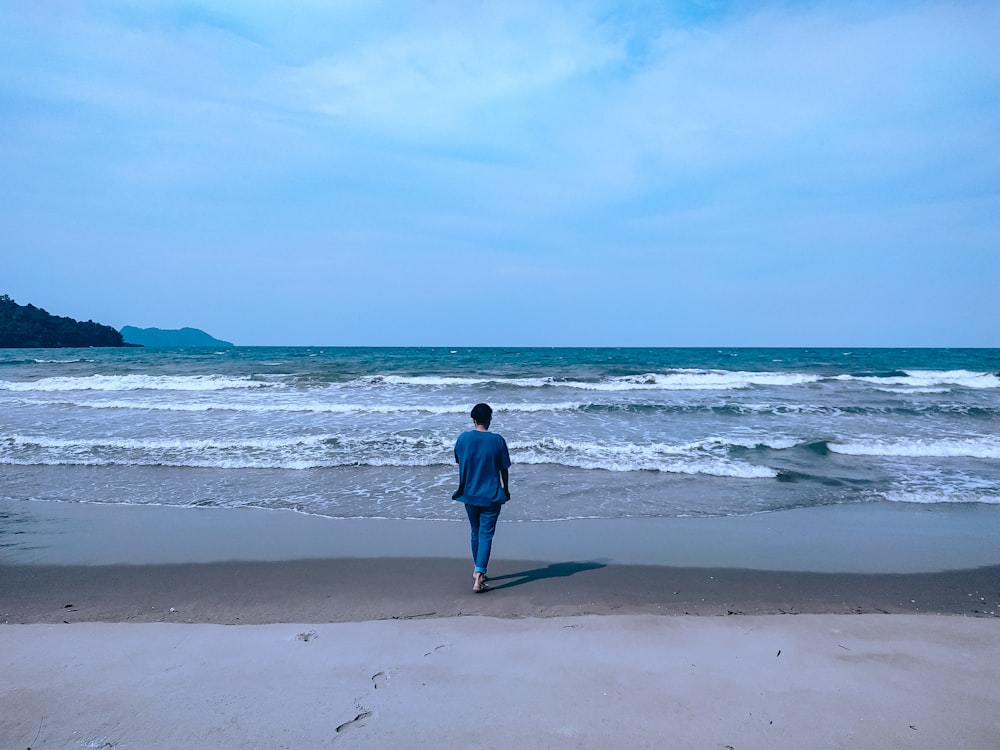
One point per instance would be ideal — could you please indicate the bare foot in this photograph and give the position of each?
(479, 583)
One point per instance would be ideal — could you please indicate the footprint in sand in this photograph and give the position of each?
(357, 721)
(379, 679)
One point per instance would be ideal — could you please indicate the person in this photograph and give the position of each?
(483, 485)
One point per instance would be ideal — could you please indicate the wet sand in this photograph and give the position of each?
(347, 590)
(870, 538)
(62, 562)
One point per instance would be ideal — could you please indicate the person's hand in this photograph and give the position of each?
(506, 492)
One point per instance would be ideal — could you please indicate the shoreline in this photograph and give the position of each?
(860, 538)
(132, 563)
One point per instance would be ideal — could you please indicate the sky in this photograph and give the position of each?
(487, 173)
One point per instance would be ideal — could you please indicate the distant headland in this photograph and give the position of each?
(30, 327)
(181, 337)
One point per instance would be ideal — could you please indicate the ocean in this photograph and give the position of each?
(593, 433)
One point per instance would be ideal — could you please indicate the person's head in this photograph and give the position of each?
(482, 414)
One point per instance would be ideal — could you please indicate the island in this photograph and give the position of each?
(30, 327)
(170, 338)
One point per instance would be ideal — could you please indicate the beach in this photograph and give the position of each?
(140, 626)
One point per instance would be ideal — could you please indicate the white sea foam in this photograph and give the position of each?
(677, 380)
(305, 406)
(132, 383)
(774, 442)
(220, 458)
(933, 497)
(329, 450)
(678, 465)
(932, 379)
(174, 444)
(677, 459)
(914, 381)
(916, 391)
(683, 380)
(421, 380)
(291, 463)
(976, 447)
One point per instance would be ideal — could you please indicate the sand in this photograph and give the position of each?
(350, 590)
(169, 628)
(869, 538)
(643, 681)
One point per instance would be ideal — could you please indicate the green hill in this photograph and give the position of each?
(170, 338)
(30, 327)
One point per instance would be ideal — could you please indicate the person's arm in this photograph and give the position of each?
(505, 482)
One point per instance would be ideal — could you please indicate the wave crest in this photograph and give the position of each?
(979, 447)
(929, 381)
(134, 382)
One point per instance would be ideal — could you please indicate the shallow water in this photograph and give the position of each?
(593, 433)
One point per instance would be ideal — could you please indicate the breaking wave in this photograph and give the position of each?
(707, 457)
(978, 447)
(133, 383)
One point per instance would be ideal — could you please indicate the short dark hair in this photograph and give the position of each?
(482, 414)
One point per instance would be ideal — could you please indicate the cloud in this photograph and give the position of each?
(549, 100)
(436, 76)
(800, 98)
(572, 144)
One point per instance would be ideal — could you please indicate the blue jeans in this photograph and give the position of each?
(483, 523)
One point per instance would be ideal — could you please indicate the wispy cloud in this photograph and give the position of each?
(446, 71)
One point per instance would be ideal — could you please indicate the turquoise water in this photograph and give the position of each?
(593, 433)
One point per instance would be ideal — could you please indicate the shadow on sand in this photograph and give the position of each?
(555, 570)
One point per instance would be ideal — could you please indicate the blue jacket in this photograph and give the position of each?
(480, 457)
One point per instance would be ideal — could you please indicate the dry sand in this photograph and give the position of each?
(816, 681)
